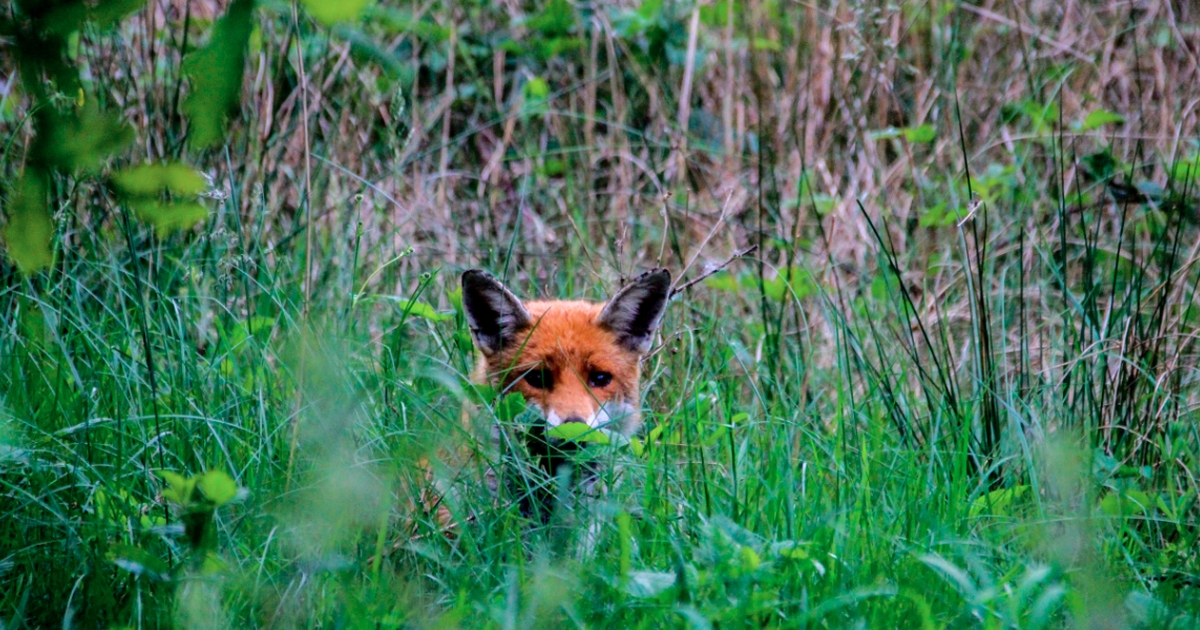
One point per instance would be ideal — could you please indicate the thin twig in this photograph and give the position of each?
(716, 226)
(738, 254)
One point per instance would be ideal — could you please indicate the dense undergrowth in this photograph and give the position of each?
(955, 385)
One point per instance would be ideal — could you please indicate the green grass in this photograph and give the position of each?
(954, 387)
(777, 486)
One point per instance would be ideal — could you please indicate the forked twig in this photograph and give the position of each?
(738, 254)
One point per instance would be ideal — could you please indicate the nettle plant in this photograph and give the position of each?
(195, 500)
(76, 134)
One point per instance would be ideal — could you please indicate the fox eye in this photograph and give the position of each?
(539, 378)
(599, 379)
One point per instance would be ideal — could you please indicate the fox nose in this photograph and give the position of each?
(570, 419)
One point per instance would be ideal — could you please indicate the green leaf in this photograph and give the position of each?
(792, 281)
(167, 217)
(923, 134)
(1043, 117)
(512, 406)
(215, 72)
(553, 167)
(179, 488)
(723, 281)
(537, 88)
(110, 12)
(650, 10)
(147, 180)
(1100, 118)
(330, 12)
(750, 558)
(395, 21)
(939, 215)
(114, 509)
(30, 228)
(530, 416)
(579, 432)
(139, 562)
(998, 501)
(790, 550)
(717, 14)
(1127, 503)
(80, 142)
(217, 486)
(762, 43)
(555, 20)
(257, 325)
(212, 564)
(425, 311)
(1185, 172)
(535, 92)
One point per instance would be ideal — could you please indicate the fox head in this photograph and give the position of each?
(575, 361)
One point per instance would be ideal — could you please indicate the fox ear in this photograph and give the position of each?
(494, 315)
(635, 311)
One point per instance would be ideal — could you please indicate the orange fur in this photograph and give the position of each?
(566, 340)
(588, 355)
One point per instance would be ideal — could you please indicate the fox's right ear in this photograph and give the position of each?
(635, 311)
(494, 315)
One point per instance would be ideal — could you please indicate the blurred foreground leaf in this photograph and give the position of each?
(146, 188)
(80, 141)
(110, 12)
(152, 179)
(215, 72)
(30, 227)
(167, 217)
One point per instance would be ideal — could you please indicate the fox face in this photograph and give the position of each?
(575, 361)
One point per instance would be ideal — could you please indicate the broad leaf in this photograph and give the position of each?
(1100, 118)
(922, 134)
(215, 72)
(30, 228)
(80, 142)
(556, 20)
(579, 432)
(423, 310)
(218, 487)
(511, 407)
(167, 217)
(179, 488)
(330, 12)
(110, 12)
(148, 180)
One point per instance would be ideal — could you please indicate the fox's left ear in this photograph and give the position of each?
(495, 316)
(635, 311)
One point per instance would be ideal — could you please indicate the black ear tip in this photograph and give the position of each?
(659, 278)
(476, 277)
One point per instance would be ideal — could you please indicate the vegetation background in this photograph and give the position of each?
(954, 385)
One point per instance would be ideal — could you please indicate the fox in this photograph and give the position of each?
(572, 361)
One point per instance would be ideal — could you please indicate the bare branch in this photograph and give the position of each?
(738, 254)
